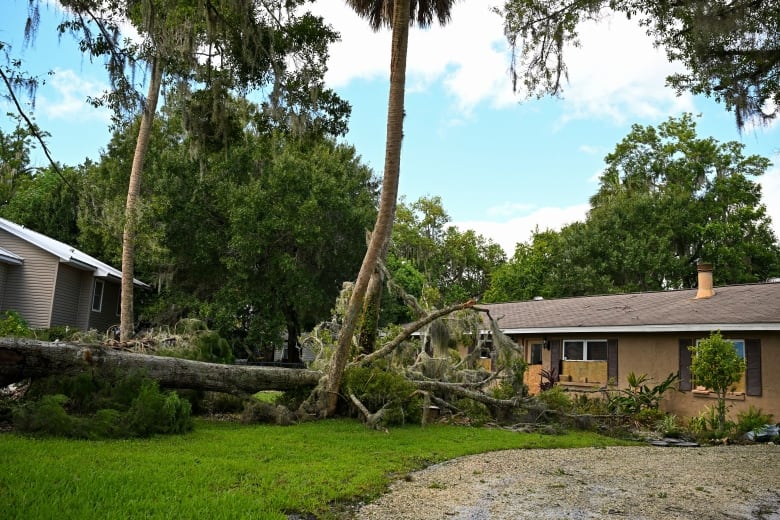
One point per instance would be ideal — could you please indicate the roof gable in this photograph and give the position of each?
(66, 253)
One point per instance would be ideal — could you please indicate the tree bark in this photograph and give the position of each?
(328, 397)
(24, 358)
(126, 315)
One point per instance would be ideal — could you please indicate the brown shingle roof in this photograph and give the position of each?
(734, 307)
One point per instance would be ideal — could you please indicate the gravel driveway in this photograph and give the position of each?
(723, 482)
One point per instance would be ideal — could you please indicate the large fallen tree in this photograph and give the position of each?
(437, 378)
(25, 358)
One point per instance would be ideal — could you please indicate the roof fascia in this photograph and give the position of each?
(686, 327)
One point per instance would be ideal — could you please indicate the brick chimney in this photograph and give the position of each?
(705, 281)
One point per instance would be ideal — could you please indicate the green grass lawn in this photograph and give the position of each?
(227, 470)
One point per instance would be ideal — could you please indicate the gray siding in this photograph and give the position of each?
(29, 288)
(67, 297)
(3, 270)
(107, 316)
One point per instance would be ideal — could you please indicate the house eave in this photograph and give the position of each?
(639, 329)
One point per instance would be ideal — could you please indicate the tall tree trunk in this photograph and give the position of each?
(372, 305)
(126, 317)
(384, 223)
(292, 354)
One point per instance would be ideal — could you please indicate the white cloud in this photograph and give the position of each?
(468, 56)
(615, 74)
(770, 191)
(65, 97)
(618, 74)
(519, 229)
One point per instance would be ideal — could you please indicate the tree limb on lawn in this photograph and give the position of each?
(25, 358)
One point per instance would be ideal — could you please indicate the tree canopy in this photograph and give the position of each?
(730, 48)
(666, 199)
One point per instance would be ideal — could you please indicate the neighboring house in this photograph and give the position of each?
(50, 283)
(598, 340)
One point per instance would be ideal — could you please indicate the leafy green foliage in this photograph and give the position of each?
(378, 388)
(669, 198)
(752, 419)
(708, 425)
(728, 48)
(556, 399)
(639, 396)
(13, 325)
(454, 265)
(86, 407)
(717, 366)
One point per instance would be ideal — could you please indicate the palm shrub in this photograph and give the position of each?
(639, 395)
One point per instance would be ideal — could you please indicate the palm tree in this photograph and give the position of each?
(398, 15)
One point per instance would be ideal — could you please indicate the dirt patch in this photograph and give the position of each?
(723, 482)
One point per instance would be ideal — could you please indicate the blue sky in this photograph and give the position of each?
(501, 164)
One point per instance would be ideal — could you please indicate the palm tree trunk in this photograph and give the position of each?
(126, 317)
(372, 304)
(384, 222)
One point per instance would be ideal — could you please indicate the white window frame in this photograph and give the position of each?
(99, 306)
(584, 348)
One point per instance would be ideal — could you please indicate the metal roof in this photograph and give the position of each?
(67, 254)
(8, 257)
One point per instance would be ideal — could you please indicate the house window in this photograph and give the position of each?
(748, 349)
(536, 354)
(486, 346)
(739, 346)
(585, 350)
(97, 295)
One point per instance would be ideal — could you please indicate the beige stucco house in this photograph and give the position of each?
(51, 283)
(594, 341)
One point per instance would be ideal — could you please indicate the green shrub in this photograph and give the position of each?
(648, 417)
(555, 399)
(639, 396)
(206, 346)
(707, 425)
(377, 388)
(213, 348)
(156, 412)
(477, 412)
(86, 407)
(14, 326)
(753, 419)
(45, 416)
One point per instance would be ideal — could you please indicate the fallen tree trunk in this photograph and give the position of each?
(25, 358)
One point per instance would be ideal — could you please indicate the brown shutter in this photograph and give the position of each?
(685, 364)
(555, 356)
(753, 360)
(612, 360)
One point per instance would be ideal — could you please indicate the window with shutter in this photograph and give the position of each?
(685, 364)
(612, 360)
(753, 361)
